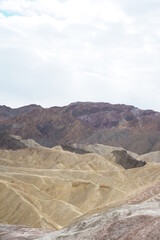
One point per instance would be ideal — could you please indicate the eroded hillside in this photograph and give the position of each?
(88, 123)
(50, 188)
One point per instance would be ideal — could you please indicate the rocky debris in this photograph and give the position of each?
(127, 161)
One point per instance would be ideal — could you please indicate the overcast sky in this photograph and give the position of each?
(54, 52)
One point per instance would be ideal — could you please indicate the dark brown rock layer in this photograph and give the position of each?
(126, 160)
(115, 125)
(8, 142)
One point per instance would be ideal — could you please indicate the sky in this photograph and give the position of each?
(55, 52)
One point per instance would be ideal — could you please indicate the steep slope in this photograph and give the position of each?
(39, 185)
(134, 221)
(9, 141)
(117, 155)
(139, 219)
(115, 125)
(26, 142)
(125, 160)
(102, 149)
(151, 157)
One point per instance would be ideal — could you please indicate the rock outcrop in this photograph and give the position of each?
(9, 142)
(125, 160)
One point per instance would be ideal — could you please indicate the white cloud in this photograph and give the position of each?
(56, 52)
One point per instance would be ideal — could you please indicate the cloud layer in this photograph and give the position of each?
(56, 52)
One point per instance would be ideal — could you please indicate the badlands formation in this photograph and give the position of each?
(58, 194)
(59, 179)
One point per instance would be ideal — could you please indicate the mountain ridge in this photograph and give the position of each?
(117, 125)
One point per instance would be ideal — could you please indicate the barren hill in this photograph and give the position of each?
(39, 185)
(115, 125)
(89, 194)
(76, 187)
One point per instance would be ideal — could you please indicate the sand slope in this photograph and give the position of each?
(138, 219)
(49, 188)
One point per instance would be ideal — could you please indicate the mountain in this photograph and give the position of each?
(7, 112)
(85, 122)
(58, 181)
